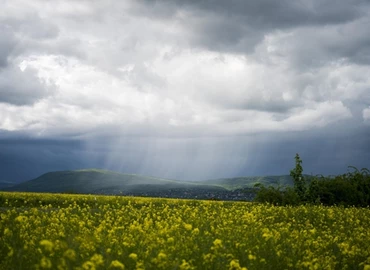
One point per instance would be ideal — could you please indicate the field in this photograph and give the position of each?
(49, 231)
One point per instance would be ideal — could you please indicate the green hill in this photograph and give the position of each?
(96, 181)
(250, 181)
(5, 184)
(104, 182)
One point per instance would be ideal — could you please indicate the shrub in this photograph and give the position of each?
(350, 189)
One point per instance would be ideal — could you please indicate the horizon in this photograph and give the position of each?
(184, 89)
(159, 177)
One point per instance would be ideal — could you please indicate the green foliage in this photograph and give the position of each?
(250, 181)
(350, 189)
(277, 196)
(299, 180)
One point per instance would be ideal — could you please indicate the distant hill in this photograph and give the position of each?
(103, 182)
(5, 184)
(96, 181)
(251, 181)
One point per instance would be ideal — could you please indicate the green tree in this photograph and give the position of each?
(299, 181)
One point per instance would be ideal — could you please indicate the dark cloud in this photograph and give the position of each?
(24, 159)
(238, 26)
(22, 87)
(277, 14)
(314, 47)
(322, 151)
(275, 104)
(184, 89)
(7, 45)
(29, 34)
(19, 87)
(18, 34)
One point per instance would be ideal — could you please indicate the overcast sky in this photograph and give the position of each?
(184, 89)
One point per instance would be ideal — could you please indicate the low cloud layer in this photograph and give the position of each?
(92, 70)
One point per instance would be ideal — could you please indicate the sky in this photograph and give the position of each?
(187, 89)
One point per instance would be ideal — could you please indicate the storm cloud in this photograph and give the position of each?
(184, 89)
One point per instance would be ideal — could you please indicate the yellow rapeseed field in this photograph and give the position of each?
(50, 231)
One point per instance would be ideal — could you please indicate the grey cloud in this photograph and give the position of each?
(351, 41)
(18, 33)
(268, 12)
(219, 34)
(277, 106)
(23, 159)
(7, 44)
(32, 26)
(30, 34)
(66, 46)
(22, 87)
(314, 47)
(325, 151)
(297, 45)
(274, 104)
(143, 78)
(239, 25)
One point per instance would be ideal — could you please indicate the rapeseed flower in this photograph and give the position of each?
(133, 256)
(116, 265)
(45, 263)
(47, 245)
(97, 259)
(70, 254)
(80, 232)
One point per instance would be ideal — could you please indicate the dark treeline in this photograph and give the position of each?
(349, 189)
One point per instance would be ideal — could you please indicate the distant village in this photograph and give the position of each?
(246, 194)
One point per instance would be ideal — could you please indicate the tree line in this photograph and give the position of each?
(349, 189)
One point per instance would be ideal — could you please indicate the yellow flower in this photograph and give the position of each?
(70, 254)
(217, 242)
(234, 265)
(188, 227)
(88, 265)
(185, 265)
(21, 219)
(251, 257)
(7, 232)
(45, 263)
(97, 259)
(116, 265)
(140, 265)
(162, 256)
(133, 256)
(48, 245)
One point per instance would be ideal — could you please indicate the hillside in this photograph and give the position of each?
(103, 182)
(250, 181)
(4, 184)
(93, 181)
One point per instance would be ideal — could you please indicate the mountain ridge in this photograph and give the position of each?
(97, 181)
(90, 181)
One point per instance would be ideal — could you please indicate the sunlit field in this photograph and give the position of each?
(49, 231)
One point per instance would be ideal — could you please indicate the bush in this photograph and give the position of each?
(350, 189)
(277, 196)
